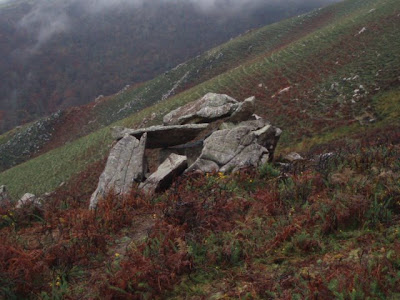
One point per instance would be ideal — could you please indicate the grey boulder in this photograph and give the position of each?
(160, 180)
(245, 111)
(205, 110)
(125, 166)
(250, 143)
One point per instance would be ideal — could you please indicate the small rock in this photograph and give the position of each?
(28, 199)
(292, 157)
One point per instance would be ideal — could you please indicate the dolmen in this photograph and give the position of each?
(215, 133)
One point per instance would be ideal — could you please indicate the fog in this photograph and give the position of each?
(47, 18)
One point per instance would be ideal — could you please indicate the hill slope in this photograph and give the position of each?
(335, 71)
(59, 54)
(327, 227)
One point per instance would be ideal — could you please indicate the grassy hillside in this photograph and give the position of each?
(323, 229)
(80, 121)
(336, 71)
(59, 54)
(327, 227)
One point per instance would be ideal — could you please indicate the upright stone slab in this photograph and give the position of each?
(205, 110)
(125, 165)
(160, 180)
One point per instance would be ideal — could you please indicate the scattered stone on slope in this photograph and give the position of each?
(292, 157)
(163, 136)
(245, 110)
(160, 180)
(3, 195)
(205, 110)
(28, 199)
(251, 143)
(125, 166)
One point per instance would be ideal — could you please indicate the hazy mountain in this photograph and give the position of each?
(55, 54)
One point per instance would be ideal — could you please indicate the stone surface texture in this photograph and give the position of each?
(125, 166)
(244, 111)
(207, 109)
(250, 143)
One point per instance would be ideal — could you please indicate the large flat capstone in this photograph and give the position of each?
(125, 166)
(206, 109)
(163, 136)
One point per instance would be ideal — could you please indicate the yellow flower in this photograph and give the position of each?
(117, 255)
(221, 175)
(58, 283)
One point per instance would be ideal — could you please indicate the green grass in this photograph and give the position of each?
(48, 171)
(388, 106)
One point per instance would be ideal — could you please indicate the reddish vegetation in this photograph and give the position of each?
(325, 224)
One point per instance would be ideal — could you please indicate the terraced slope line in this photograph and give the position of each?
(323, 85)
(68, 125)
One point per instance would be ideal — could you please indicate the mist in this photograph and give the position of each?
(62, 53)
(47, 18)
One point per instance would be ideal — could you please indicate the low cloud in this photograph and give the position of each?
(47, 18)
